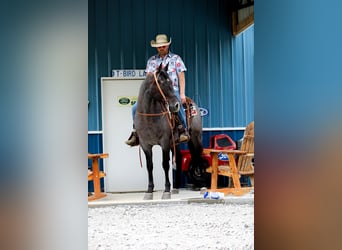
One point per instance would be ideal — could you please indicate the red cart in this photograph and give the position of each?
(197, 174)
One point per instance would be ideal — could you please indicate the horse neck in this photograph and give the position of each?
(146, 103)
(151, 106)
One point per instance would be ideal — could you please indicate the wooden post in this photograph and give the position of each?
(235, 172)
(96, 175)
(214, 173)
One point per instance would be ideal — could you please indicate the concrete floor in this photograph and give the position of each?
(184, 196)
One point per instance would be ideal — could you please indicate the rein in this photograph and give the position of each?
(160, 90)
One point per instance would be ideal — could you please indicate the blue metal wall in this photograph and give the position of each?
(220, 66)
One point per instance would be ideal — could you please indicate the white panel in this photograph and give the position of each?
(123, 168)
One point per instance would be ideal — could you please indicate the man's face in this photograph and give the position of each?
(163, 50)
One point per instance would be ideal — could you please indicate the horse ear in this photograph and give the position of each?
(160, 67)
(166, 67)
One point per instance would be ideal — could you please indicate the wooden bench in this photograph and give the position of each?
(95, 175)
(240, 163)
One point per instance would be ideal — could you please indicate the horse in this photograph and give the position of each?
(157, 108)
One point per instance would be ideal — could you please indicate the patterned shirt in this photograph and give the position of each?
(176, 65)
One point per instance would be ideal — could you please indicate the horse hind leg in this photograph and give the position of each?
(178, 170)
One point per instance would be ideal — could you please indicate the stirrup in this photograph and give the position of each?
(183, 137)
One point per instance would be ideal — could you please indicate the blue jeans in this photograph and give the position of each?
(181, 112)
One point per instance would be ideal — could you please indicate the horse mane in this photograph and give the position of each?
(144, 92)
(147, 91)
(145, 83)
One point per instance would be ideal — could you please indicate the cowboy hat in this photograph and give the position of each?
(161, 40)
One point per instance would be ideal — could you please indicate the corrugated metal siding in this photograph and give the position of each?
(220, 67)
(243, 77)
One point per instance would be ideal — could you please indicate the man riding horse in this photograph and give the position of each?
(176, 69)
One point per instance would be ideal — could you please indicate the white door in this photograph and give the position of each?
(123, 168)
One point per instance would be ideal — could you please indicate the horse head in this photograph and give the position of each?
(162, 89)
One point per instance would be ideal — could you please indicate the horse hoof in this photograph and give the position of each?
(166, 196)
(148, 196)
(175, 191)
(203, 190)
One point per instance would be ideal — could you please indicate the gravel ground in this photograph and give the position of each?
(171, 226)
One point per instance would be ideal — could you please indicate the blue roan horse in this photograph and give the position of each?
(155, 125)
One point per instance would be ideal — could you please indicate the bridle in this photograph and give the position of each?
(165, 107)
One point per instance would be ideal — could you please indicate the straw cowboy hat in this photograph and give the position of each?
(161, 40)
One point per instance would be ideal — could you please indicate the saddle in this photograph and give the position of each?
(190, 110)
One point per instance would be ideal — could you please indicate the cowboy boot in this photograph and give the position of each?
(133, 139)
(183, 134)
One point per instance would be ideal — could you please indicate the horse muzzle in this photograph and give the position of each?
(175, 108)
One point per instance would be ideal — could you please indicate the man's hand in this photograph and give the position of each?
(183, 98)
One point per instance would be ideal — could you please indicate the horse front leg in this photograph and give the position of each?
(166, 167)
(149, 165)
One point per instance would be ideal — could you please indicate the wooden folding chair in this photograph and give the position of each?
(240, 163)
